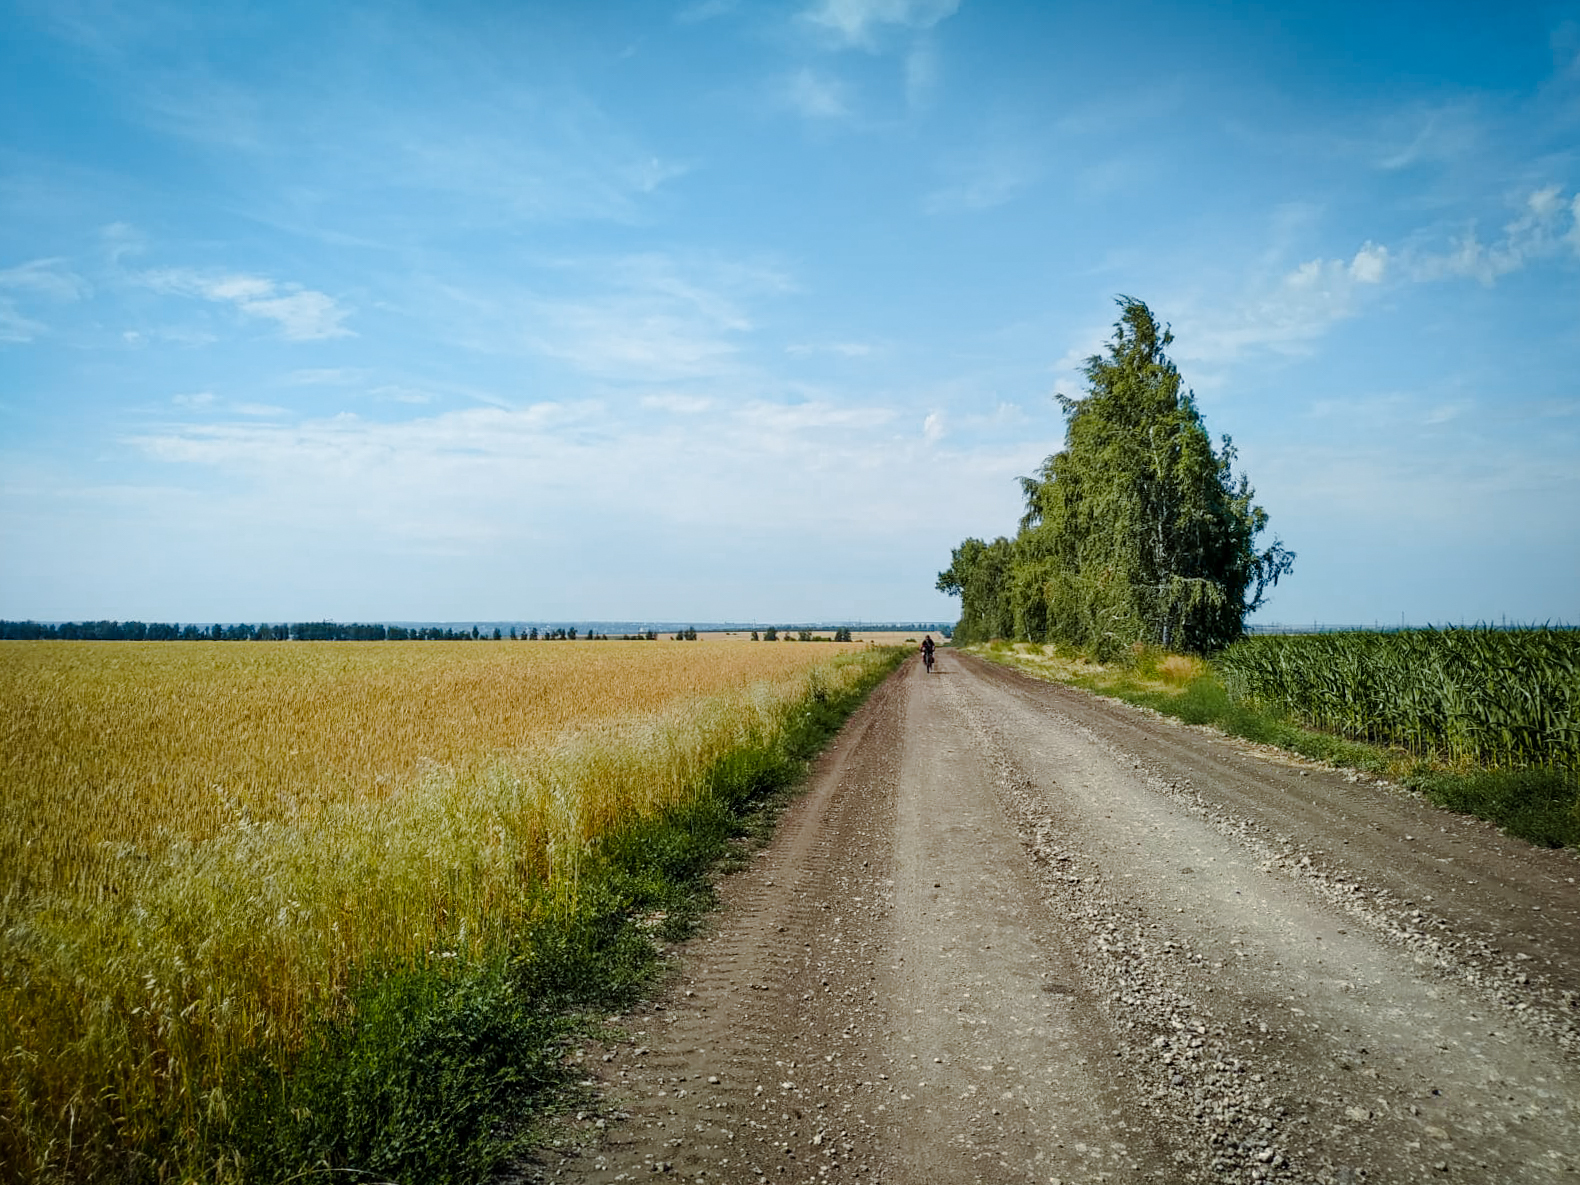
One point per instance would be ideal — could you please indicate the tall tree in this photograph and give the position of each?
(1137, 530)
(979, 574)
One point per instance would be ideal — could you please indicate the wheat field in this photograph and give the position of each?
(202, 842)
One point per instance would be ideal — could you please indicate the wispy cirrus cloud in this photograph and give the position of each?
(816, 95)
(738, 465)
(50, 278)
(705, 10)
(680, 405)
(1299, 306)
(1427, 135)
(15, 327)
(1289, 314)
(841, 349)
(327, 376)
(988, 177)
(300, 314)
(207, 401)
(861, 23)
(37, 280)
(874, 27)
(642, 318)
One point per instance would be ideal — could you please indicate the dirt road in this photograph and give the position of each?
(1014, 932)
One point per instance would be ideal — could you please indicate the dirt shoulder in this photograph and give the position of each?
(1013, 932)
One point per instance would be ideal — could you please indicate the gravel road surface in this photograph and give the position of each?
(1016, 932)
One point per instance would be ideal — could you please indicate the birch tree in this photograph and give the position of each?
(1138, 529)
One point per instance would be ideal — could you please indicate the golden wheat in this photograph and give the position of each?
(202, 842)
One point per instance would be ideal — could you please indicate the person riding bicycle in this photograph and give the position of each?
(927, 652)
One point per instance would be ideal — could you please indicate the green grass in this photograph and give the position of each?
(1541, 806)
(443, 1072)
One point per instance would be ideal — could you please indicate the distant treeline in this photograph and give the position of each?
(163, 631)
(334, 631)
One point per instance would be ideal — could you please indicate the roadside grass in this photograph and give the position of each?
(443, 1072)
(142, 1051)
(1541, 806)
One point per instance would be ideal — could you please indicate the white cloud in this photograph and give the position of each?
(858, 23)
(398, 394)
(1443, 413)
(648, 318)
(121, 239)
(680, 405)
(1537, 232)
(14, 327)
(38, 279)
(843, 349)
(334, 376)
(208, 401)
(1369, 264)
(989, 177)
(631, 336)
(521, 155)
(815, 95)
(704, 10)
(301, 314)
(1290, 314)
(742, 466)
(812, 415)
(1418, 136)
(47, 278)
(649, 174)
(921, 73)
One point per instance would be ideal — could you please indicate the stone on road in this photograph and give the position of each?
(1014, 932)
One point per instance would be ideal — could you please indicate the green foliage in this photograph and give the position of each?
(1539, 805)
(435, 1072)
(431, 1076)
(1507, 698)
(979, 574)
(1137, 531)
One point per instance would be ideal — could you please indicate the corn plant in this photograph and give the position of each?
(1499, 698)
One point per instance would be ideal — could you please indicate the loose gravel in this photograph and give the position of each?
(1015, 933)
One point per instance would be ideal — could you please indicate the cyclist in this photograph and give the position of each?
(927, 653)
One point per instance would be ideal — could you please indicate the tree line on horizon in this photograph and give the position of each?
(331, 631)
(302, 631)
(1137, 531)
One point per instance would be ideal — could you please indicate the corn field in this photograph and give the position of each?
(201, 844)
(1500, 698)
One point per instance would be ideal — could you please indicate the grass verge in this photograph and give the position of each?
(438, 1072)
(1541, 806)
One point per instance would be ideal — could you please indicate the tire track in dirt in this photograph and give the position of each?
(1012, 933)
(1496, 912)
(1286, 1031)
(759, 1061)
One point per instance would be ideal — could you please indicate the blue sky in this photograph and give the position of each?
(753, 311)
